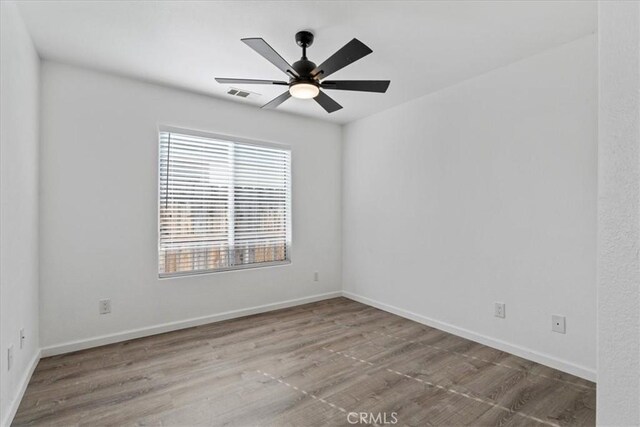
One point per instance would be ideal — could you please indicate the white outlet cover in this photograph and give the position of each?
(21, 337)
(105, 306)
(558, 324)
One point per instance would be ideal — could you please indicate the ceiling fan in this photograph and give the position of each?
(306, 79)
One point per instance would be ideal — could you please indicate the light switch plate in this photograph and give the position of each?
(499, 310)
(558, 324)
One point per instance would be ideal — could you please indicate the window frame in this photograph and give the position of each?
(231, 139)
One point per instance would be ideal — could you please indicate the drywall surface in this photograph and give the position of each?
(19, 76)
(484, 192)
(99, 185)
(619, 215)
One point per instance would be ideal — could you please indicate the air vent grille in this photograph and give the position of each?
(241, 93)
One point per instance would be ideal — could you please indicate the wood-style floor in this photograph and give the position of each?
(309, 365)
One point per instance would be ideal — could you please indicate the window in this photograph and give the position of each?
(223, 204)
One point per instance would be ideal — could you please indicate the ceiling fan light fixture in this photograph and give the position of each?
(304, 90)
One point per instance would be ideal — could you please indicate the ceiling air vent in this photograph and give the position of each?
(241, 93)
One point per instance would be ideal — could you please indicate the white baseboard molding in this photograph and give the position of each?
(24, 382)
(72, 346)
(544, 359)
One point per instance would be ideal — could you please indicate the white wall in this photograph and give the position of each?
(482, 192)
(619, 215)
(19, 76)
(99, 206)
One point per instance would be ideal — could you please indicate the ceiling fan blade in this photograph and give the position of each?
(263, 48)
(250, 81)
(277, 101)
(348, 54)
(379, 86)
(327, 102)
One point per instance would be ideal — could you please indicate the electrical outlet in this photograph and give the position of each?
(316, 277)
(22, 337)
(9, 357)
(559, 324)
(499, 310)
(105, 306)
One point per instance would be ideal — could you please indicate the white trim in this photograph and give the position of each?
(544, 359)
(71, 346)
(15, 403)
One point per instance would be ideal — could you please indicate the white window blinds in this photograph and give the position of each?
(223, 204)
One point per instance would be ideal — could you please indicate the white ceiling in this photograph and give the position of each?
(420, 46)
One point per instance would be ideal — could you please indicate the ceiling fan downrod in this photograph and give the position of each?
(304, 39)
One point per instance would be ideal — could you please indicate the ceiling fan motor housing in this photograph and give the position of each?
(304, 67)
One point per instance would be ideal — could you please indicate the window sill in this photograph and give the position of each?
(224, 270)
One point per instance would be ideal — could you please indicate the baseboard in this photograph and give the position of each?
(544, 359)
(24, 382)
(72, 346)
